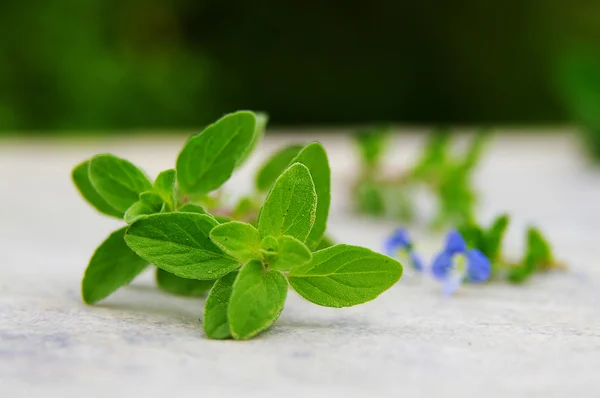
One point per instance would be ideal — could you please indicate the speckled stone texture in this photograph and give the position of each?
(542, 339)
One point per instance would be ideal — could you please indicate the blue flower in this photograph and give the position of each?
(399, 245)
(456, 264)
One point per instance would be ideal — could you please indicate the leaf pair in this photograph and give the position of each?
(242, 306)
(110, 184)
(314, 157)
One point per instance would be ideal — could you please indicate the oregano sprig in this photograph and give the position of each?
(247, 256)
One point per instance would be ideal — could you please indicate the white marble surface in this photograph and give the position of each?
(542, 339)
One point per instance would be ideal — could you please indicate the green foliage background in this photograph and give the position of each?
(121, 64)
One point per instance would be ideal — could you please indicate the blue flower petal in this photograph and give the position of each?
(451, 284)
(455, 243)
(396, 241)
(479, 267)
(416, 261)
(442, 265)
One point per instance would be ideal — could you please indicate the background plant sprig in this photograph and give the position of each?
(448, 177)
(246, 256)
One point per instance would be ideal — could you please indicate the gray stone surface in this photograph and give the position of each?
(542, 339)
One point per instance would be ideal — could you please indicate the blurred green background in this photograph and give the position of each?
(92, 65)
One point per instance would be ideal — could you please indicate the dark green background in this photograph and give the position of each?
(119, 64)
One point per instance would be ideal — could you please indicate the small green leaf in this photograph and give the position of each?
(290, 206)
(173, 284)
(117, 180)
(314, 157)
(112, 266)
(151, 199)
(269, 248)
(494, 237)
(290, 253)
(216, 322)
(192, 208)
(82, 181)
(164, 185)
(539, 248)
(343, 275)
(473, 235)
(209, 158)
(179, 243)
(274, 166)
(256, 301)
(537, 257)
(149, 203)
(523, 272)
(259, 131)
(269, 244)
(136, 211)
(238, 239)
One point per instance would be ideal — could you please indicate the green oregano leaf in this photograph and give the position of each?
(209, 158)
(314, 157)
(117, 180)
(113, 265)
(538, 248)
(179, 243)
(82, 181)
(259, 131)
(164, 185)
(137, 210)
(151, 199)
(494, 237)
(176, 285)
(290, 253)
(290, 206)
(521, 273)
(256, 301)
(474, 235)
(216, 322)
(238, 239)
(269, 247)
(149, 203)
(274, 166)
(343, 275)
(538, 256)
(193, 208)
